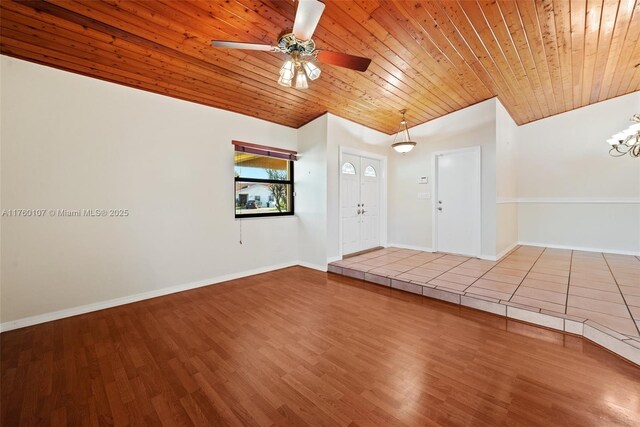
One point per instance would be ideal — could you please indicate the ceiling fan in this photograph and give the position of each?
(302, 49)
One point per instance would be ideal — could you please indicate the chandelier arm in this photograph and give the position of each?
(614, 152)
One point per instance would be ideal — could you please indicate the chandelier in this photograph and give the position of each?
(295, 71)
(627, 141)
(405, 144)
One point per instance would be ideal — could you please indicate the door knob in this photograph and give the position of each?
(363, 211)
(358, 211)
(439, 202)
(439, 208)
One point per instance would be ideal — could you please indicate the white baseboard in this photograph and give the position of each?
(503, 253)
(333, 259)
(313, 266)
(74, 311)
(580, 248)
(415, 248)
(572, 200)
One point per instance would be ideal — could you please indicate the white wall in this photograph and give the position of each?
(570, 190)
(409, 217)
(318, 171)
(506, 181)
(311, 193)
(72, 142)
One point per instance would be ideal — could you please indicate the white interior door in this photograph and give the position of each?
(360, 204)
(458, 202)
(369, 203)
(350, 203)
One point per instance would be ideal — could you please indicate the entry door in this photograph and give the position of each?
(458, 202)
(360, 204)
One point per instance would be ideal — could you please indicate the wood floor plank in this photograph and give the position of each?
(301, 347)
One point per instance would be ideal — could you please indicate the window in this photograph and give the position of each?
(348, 169)
(263, 180)
(370, 171)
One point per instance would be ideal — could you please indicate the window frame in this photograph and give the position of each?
(289, 182)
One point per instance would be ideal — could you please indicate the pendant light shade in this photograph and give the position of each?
(301, 80)
(404, 144)
(312, 71)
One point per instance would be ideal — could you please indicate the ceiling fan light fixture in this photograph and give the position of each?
(287, 70)
(312, 71)
(405, 144)
(285, 82)
(301, 80)
(299, 45)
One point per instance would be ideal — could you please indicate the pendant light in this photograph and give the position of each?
(404, 145)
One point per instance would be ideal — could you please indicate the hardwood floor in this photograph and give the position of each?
(300, 347)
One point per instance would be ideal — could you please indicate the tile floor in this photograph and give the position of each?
(573, 286)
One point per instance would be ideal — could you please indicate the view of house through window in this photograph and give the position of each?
(264, 185)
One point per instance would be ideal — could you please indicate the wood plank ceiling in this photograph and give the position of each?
(539, 57)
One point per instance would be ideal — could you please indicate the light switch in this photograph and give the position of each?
(424, 196)
(423, 180)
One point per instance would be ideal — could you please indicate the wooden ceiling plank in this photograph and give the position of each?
(425, 28)
(634, 83)
(578, 25)
(268, 81)
(592, 29)
(413, 53)
(546, 23)
(626, 60)
(390, 73)
(459, 19)
(385, 78)
(529, 18)
(389, 48)
(345, 89)
(377, 66)
(608, 23)
(509, 66)
(540, 57)
(114, 44)
(623, 21)
(521, 44)
(414, 66)
(439, 19)
(424, 46)
(562, 24)
(501, 33)
(366, 27)
(183, 42)
(89, 22)
(628, 82)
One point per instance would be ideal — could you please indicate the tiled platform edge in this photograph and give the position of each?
(623, 345)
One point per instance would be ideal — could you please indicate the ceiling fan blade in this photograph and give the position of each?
(240, 45)
(352, 62)
(307, 17)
